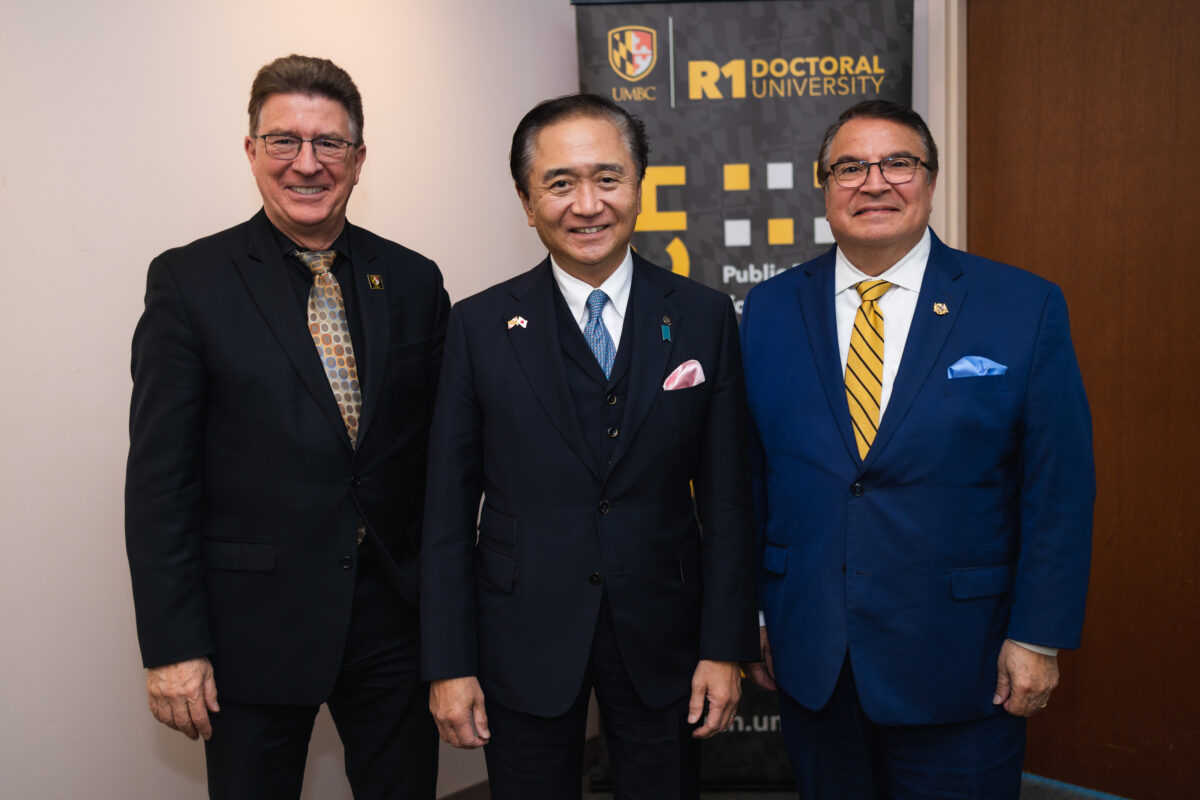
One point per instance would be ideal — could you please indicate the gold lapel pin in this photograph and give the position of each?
(940, 309)
(375, 281)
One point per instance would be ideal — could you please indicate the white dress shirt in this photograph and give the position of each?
(896, 306)
(576, 292)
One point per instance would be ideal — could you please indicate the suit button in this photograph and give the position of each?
(612, 433)
(611, 399)
(604, 506)
(595, 579)
(856, 489)
(355, 481)
(347, 562)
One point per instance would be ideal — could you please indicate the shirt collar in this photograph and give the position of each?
(341, 244)
(576, 292)
(906, 273)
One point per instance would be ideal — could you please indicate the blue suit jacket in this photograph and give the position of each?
(968, 522)
(519, 606)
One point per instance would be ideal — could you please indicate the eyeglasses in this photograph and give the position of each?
(286, 147)
(895, 170)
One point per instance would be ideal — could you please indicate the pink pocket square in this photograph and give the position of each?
(686, 375)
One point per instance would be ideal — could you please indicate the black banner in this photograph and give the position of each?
(735, 97)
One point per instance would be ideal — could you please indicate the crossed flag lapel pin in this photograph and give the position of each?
(517, 321)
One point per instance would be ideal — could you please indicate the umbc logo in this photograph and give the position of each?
(632, 51)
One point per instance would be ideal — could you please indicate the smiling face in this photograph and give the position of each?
(877, 223)
(584, 196)
(304, 198)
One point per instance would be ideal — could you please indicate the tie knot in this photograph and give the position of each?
(595, 303)
(318, 261)
(870, 291)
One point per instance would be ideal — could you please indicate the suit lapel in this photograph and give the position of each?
(539, 352)
(817, 306)
(649, 305)
(926, 338)
(375, 321)
(265, 275)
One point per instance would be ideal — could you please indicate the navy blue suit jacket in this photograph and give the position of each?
(519, 608)
(969, 521)
(242, 492)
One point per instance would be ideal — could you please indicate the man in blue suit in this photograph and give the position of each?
(585, 400)
(924, 487)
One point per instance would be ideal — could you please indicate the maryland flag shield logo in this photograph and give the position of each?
(632, 51)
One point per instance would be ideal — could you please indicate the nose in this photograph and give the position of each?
(305, 161)
(875, 181)
(587, 201)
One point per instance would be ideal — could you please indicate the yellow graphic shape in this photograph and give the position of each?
(781, 231)
(737, 177)
(681, 262)
(651, 219)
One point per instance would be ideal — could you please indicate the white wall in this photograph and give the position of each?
(124, 125)
(123, 136)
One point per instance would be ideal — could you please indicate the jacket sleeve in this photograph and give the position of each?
(163, 478)
(1058, 491)
(453, 490)
(729, 621)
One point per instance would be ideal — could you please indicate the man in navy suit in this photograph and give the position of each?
(585, 400)
(924, 487)
(283, 380)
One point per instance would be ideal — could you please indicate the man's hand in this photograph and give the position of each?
(457, 708)
(720, 683)
(1026, 679)
(762, 673)
(182, 694)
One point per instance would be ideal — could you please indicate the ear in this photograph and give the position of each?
(638, 200)
(359, 158)
(251, 150)
(528, 206)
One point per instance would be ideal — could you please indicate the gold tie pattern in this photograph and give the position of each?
(864, 365)
(331, 335)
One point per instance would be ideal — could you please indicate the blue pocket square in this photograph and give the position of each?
(974, 367)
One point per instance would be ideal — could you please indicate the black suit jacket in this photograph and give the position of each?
(242, 489)
(519, 608)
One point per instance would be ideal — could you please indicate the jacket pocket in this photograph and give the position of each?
(497, 529)
(239, 556)
(495, 568)
(967, 583)
(775, 559)
(978, 383)
(406, 350)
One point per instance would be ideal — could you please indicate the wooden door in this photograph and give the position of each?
(1083, 128)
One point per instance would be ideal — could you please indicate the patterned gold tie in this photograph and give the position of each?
(331, 335)
(864, 365)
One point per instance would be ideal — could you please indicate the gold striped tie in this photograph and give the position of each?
(864, 365)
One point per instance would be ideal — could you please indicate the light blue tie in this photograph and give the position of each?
(596, 334)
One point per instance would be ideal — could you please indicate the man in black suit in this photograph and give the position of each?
(283, 383)
(584, 400)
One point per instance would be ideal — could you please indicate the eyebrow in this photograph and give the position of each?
(897, 154)
(554, 172)
(293, 134)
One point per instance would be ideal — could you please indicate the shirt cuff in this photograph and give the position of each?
(1037, 648)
